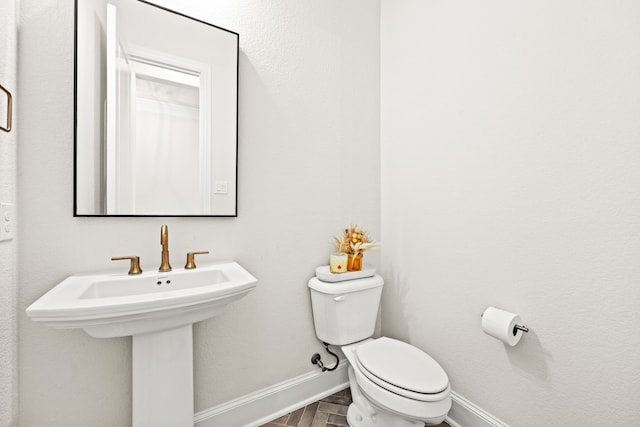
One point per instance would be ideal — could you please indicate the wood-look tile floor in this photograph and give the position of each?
(328, 412)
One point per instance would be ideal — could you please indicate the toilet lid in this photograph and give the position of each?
(401, 365)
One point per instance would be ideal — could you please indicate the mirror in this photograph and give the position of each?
(155, 112)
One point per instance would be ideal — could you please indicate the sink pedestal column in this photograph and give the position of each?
(162, 365)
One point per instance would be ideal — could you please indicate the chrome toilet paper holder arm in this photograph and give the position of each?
(516, 328)
(520, 328)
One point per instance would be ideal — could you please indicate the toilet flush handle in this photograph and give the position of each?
(339, 298)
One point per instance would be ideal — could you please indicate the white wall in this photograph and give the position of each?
(309, 165)
(8, 248)
(510, 152)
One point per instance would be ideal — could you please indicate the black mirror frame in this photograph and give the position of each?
(75, 119)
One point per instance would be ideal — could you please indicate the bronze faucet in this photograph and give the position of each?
(134, 267)
(191, 261)
(164, 241)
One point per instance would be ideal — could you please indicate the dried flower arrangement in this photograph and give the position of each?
(354, 241)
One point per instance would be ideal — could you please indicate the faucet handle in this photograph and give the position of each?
(134, 268)
(191, 262)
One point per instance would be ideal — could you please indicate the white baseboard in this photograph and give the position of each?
(264, 405)
(272, 402)
(464, 413)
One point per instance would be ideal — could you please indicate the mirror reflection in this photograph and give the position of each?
(156, 112)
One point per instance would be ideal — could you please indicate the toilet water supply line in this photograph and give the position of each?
(316, 359)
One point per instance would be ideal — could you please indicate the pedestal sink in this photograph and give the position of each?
(158, 311)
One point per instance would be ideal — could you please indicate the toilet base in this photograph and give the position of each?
(363, 413)
(357, 418)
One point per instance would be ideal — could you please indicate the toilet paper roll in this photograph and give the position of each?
(501, 324)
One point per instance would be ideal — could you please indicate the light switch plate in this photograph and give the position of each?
(7, 221)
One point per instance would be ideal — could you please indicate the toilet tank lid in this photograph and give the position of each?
(346, 286)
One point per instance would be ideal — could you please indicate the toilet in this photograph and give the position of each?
(393, 384)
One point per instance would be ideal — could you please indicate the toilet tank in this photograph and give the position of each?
(345, 312)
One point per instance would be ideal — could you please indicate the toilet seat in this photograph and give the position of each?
(428, 408)
(402, 369)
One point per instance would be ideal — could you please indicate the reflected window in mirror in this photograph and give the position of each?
(156, 112)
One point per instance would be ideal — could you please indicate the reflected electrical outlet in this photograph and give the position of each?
(220, 187)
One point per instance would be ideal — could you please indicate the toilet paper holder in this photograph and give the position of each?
(521, 328)
(516, 328)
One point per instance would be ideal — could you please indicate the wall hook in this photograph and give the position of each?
(9, 108)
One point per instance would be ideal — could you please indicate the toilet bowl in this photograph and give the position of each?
(393, 384)
(398, 378)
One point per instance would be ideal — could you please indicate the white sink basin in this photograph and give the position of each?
(158, 311)
(112, 305)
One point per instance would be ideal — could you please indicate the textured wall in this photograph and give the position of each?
(8, 248)
(510, 177)
(309, 164)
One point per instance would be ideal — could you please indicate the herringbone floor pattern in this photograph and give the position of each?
(328, 412)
